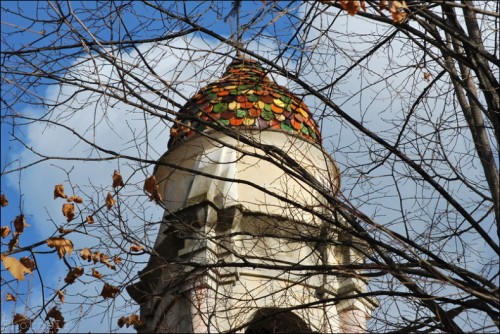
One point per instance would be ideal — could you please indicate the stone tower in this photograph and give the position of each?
(239, 219)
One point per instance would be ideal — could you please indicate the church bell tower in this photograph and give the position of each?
(242, 227)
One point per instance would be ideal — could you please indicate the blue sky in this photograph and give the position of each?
(32, 36)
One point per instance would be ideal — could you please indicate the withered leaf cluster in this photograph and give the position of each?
(109, 291)
(20, 224)
(135, 248)
(60, 294)
(397, 8)
(3, 200)
(110, 201)
(59, 191)
(131, 320)
(5, 230)
(117, 180)
(87, 255)
(73, 274)
(27, 262)
(96, 274)
(23, 322)
(10, 298)
(76, 199)
(56, 320)
(68, 209)
(151, 189)
(63, 246)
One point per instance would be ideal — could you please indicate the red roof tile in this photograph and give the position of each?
(244, 98)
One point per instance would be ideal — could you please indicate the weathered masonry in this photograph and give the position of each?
(238, 227)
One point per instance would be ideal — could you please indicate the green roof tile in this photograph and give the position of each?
(244, 98)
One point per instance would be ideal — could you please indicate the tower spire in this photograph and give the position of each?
(232, 214)
(237, 5)
(236, 36)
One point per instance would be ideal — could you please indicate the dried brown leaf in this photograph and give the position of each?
(62, 245)
(73, 274)
(117, 179)
(96, 257)
(28, 263)
(110, 201)
(134, 320)
(55, 314)
(96, 274)
(151, 189)
(109, 291)
(131, 320)
(60, 294)
(75, 199)
(351, 6)
(398, 11)
(157, 197)
(5, 230)
(15, 267)
(62, 230)
(68, 210)
(59, 191)
(90, 219)
(122, 321)
(86, 254)
(105, 260)
(10, 298)
(398, 17)
(135, 248)
(23, 322)
(383, 4)
(13, 242)
(117, 260)
(3, 200)
(20, 223)
(427, 76)
(150, 184)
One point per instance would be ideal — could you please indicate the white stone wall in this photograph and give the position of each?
(267, 231)
(234, 162)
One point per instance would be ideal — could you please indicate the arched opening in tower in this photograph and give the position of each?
(275, 320)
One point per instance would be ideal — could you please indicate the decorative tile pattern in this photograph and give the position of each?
(245, 98)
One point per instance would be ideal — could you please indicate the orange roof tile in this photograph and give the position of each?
(244, 98)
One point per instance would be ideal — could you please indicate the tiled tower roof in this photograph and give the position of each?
(244, 98)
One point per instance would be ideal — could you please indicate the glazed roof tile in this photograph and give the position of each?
(244, 98)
